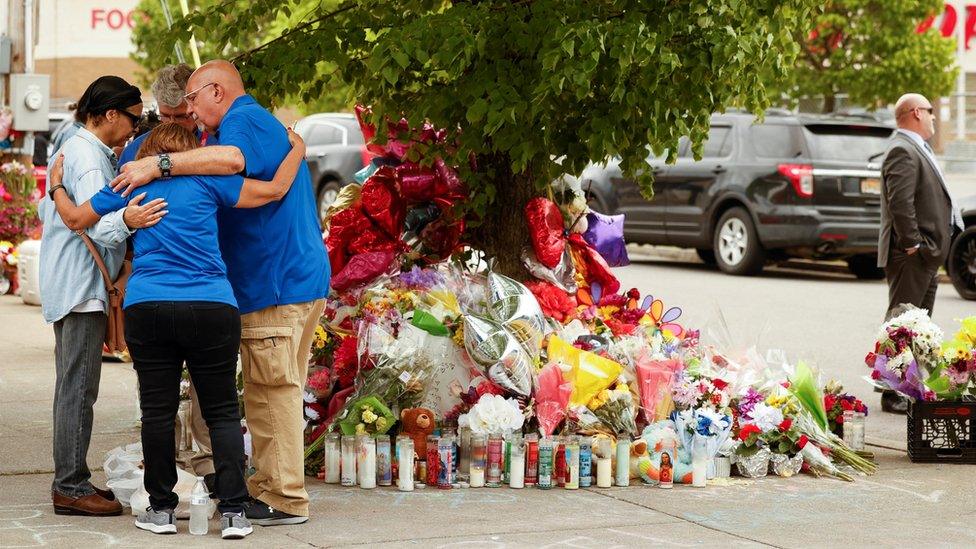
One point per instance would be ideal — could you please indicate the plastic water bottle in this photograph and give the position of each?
(199, 508)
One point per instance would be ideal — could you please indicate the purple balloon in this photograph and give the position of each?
(605, 233)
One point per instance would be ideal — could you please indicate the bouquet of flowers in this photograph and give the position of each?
(368, 415)
(836, 402)
(957, 373)
(493, 414)
(908, 348)
(616, 409)
(19, 197)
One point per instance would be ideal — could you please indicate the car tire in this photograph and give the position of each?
(865, 267)
(327, 194)
(707, 256)
(736, 244)
(962, 263)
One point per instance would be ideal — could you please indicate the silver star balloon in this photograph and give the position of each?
(512, 305)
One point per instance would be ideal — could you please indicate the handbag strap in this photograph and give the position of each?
(99, 262)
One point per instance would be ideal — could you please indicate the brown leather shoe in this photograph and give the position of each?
(107, 494)
(92, 505)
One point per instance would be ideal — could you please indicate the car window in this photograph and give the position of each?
(848, 142)
(717, 145)
(775, 141)
(325, 134)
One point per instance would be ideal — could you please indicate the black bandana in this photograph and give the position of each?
(107, 93)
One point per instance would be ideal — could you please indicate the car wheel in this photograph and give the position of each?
(327, 195)
(865, 267)
(736, 244)
(962, 263)
(707, 256)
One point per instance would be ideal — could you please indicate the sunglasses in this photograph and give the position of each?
(132, 118)
(192, 96)
(929, 110)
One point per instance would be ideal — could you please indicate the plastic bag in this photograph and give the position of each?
(184, 486)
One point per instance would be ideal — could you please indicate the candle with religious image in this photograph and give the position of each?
(544, 478)
(384, 461)
(572, 463)
(586, 462)
(433, 457)
(479, 459)
(560, 467)
(445, 463)
(494, 473)
(531, 459)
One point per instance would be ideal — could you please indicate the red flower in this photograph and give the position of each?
(829, 401)
(846, 405)
(719, 384)
(747, 430)
(633, 293)
(875, 374)
(870, 359)
(802, 441)
(786, 424)
(839, 420)
(345, 361)
(619, 328)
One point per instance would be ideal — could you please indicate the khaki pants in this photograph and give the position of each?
(275, 347)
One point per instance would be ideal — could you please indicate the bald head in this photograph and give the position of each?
(915, 113)
(211, 91)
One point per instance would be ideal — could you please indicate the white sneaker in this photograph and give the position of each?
(157, 522)
(234, 526)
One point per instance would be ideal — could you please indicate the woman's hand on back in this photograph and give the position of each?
(138, 216)
(296, 140)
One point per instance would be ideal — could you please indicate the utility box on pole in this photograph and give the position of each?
(30, 99)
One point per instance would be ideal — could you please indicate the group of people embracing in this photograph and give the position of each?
(227, 258)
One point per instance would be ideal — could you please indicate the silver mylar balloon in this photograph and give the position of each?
(562, 276)
(513, 371)
(484, 339)
(514, 306)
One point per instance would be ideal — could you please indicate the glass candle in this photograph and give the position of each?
(559, 468)
(854, 430)
(432, 458)
(586, 462)
(544, 478)
(464, 454)
(348, 471)
(332, 459)
(384, 461)
(516, 469)
(531, 459)
(367, 462)
(405, 455)
(479, 460)
(572, 463)
(445, 463)
(604, 472)
(699, 463)
(494, 473)
(623, 462)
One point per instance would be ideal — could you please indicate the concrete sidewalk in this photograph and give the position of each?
(904, 504)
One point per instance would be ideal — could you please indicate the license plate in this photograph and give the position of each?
(871, 186)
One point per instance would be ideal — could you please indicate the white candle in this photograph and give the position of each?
(332, 456)
(699, 471)
(405, 463)
(516, 471)
(477, 478)
(603, 476)
(623, 462)
(367, 462)
(348, 461)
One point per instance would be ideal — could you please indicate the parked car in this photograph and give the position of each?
(961, 263)
(803, 186)
(335, 151)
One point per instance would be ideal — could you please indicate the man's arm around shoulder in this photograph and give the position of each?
(213, 160)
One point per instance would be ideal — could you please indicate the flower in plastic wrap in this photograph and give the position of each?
(494, 414)
(591, 373)
(367, 411)
(606, 234)
(767, 418)
(554, 301)
(545, 230)
(362, 269)
(513, 305)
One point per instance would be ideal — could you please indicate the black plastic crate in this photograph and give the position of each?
(942, 432)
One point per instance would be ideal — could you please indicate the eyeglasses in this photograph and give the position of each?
(192, 96)
(929, 110)
(132, 118)
(174, 117)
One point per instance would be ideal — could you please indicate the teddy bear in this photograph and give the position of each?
(417, 423)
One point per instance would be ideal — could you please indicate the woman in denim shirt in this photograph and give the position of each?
(73, 296)
(181, 307)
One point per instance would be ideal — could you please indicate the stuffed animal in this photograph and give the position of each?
(657, 436)
(417, 423)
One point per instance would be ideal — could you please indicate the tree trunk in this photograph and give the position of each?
(830, 103)
(503, 231)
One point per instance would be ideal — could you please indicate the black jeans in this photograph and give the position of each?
(161, 337)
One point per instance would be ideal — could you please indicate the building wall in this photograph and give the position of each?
(80, 40)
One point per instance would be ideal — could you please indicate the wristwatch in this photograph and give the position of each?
(165, 164)
(50, 192)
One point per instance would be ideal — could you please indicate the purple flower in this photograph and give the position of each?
(421, 279)
(749, 401)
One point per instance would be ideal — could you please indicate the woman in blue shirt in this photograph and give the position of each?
(180, 307)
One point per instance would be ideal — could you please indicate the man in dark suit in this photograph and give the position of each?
(917, 216)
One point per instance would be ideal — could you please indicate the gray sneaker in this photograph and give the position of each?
(157, 522)
(234, 526)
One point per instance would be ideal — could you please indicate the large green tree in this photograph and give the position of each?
(869, 50)
(528, 89)
(155, 47)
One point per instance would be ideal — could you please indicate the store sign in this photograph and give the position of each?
(948, 25)
(86, 28)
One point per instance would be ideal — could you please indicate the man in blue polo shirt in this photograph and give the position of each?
(278, 266)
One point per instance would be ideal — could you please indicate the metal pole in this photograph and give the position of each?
(169, 25)
(961, 79)
(193, 39)
(28, 149)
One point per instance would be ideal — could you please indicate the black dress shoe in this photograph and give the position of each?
(894, 403)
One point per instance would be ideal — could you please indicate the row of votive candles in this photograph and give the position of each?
(477, 460)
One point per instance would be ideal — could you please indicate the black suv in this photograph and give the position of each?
(335, 151)
(792, 186)
(961, 263)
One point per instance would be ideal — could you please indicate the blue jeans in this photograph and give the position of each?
(78, 362)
